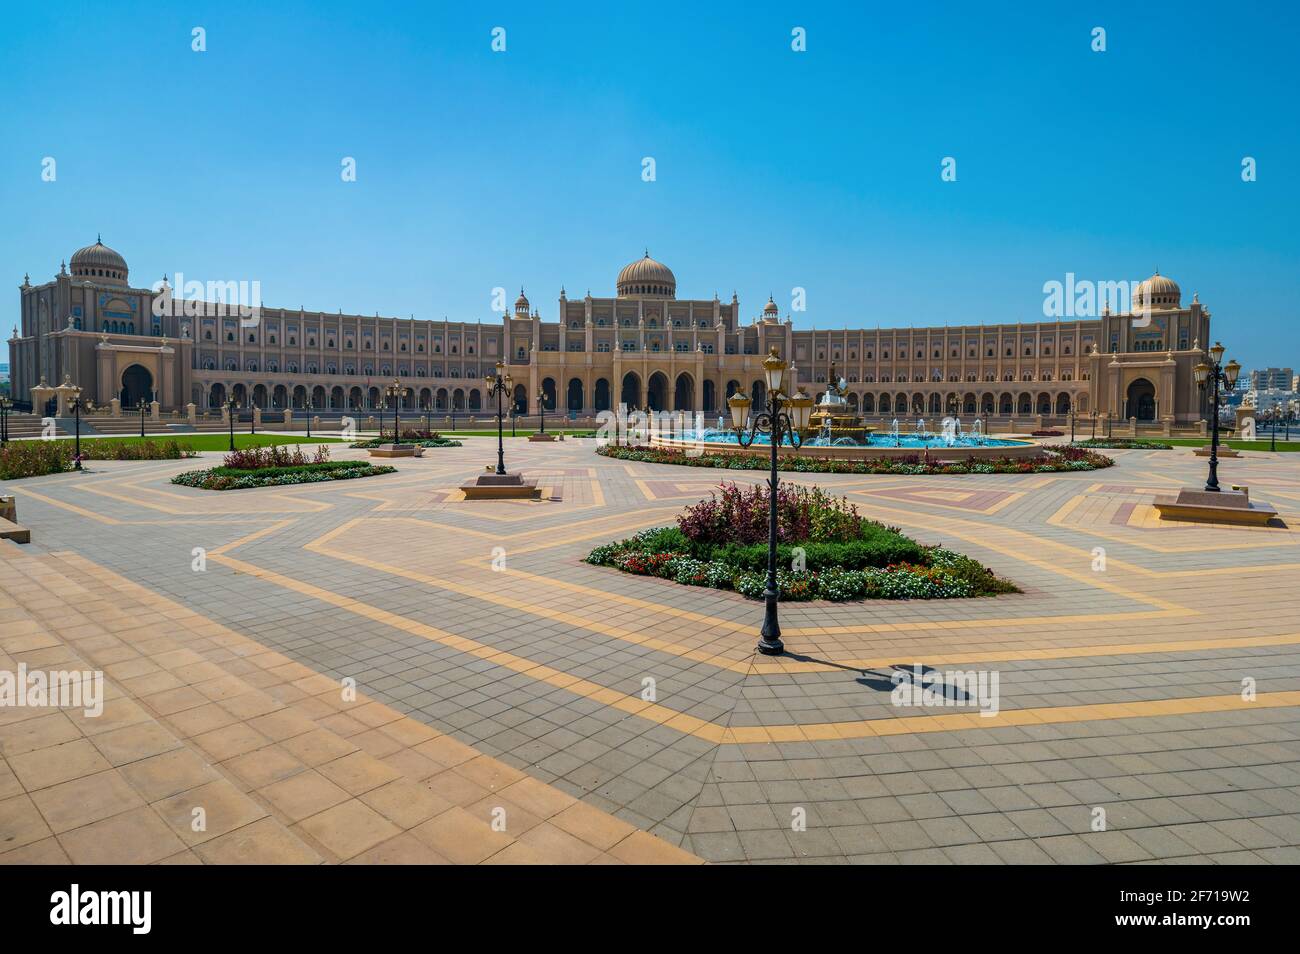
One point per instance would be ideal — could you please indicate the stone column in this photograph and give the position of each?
(191, 414)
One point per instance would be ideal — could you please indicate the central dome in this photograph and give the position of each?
(646, 278)
(99, 262)
(1158, 292)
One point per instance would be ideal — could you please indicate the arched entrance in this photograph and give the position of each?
(657, 391)
(684, 393)
(574, 402)
(1141, 402)
(602, 395)
(631, 390)
(137, 386)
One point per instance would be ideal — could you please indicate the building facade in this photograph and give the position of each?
(644, 346)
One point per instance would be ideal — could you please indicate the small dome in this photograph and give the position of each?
(647, 278)
(521, 303)
(98, 262)
(770, 311)
(1157, 292)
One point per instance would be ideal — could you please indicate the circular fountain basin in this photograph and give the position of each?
(877, 445)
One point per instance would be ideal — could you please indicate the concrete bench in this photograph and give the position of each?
(10, 528)
(1208, 506)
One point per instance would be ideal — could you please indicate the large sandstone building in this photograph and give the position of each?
(643, 346)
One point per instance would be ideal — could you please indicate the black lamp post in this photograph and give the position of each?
(1071, 423)
(308, 407)
(394, 393)
(781, 426)
(1214, 376)
(76, 416)
(1094, 425)
(142, 416)
(1109, 420)
(5, 405)
(1272, 428)
(252, 417)
(541, 409)
(498, 385)
(232, 408)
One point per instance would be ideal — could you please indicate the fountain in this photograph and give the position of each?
(834, 420)
(835, 429)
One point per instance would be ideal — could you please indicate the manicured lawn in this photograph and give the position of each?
(221, 442)
(1255, 445)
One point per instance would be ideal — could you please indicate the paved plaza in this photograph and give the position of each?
(514, 704)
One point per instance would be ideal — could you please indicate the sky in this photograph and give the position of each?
(774, 169)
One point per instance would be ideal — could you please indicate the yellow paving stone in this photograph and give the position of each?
(641, 848)
(226, 743)
(136, 837)
(135, 742)
(84, 800)
(596, 828)
(264, 842)
(489, 773)
(349, 828)
(170, 773)
(42, 768)
(208, 810)
(303, 795)
(36, 731)
(406, 803)
(47, 851)
(461, 838)
(558, 846)
(317, 746)
(21, 823)
(403, 849)
(358, 772)
(263, 766)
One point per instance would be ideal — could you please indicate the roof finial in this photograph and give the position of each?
(647, 251)
(99, 238)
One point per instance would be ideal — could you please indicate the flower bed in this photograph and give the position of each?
(1052, 460)
(1124, 443)
(35, 458)
(825, 550)
(275, 467)
(421, 437)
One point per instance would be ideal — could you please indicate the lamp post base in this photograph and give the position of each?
(769, 643)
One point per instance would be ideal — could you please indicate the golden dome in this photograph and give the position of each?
(1158, 293)
(99, 262)
(646, 278)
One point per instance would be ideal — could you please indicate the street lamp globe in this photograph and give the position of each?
(1230, 372)
(739, 405)
(801, 406)
(774, 370)
(1202, 373)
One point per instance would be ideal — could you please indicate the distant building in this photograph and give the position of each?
(1273, 379)
(642, 346)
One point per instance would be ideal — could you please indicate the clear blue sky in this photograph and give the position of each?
(774, 168)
